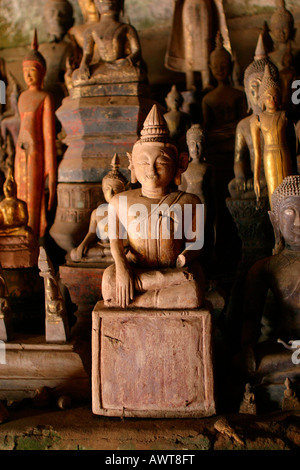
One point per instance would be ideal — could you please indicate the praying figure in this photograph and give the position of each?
(158, 225)
(35, 159)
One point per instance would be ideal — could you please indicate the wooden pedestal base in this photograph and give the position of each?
(150, 363)
(29, 363)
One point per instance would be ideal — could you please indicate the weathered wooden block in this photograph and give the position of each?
(148, 363)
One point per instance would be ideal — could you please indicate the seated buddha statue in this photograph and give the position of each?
(158, 226)
(118, 48)
(280, 275)
(13, 211)
(95, 245)
(178, 121)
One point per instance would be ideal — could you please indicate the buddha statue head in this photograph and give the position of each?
(195, 140)
(155, 162)
(58, 18)
(269, 92)
(34, 65)
(254, 74)
(285, 213)
(109, 6)
(89, 11)
(114, 181)
(282, 24)
(174, 99)
(220, 60)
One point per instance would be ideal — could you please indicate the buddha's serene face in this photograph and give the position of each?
(271, 99)
(154, 164)
(221, 68)
(282, 33)
(107, 6)
(253, 92)
(111, 187)
(33, 74)
(195, 147)
(289, 220)
(58, 19)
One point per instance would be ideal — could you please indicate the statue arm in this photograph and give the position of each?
(88, 50)
(241, 156)
(135, 47)
(50, 146)
(256, 139)
(124, 275)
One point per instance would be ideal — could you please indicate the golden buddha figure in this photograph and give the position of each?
(118, 47)
(273, 124)
(157, 271)
(13, 211)
(242, 184)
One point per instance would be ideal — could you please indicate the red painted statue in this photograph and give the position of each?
(35, 158)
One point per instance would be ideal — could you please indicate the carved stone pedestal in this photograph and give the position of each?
(152, 363)
(18, 251)
(97, 126)
(30, 363)
(84, 286)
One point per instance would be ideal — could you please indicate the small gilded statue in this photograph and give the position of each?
(35, 159)
(13, 211)
(248, 405)
(91, 250)
(273, 124)
(242, 184)
(160, 269)
(117, 45)
(280, 273)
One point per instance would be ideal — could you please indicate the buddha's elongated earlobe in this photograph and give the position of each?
(183, 161)
(277, 234)
(131, 168)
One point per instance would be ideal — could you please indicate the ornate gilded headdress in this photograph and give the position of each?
(290, 186)
(34, 55)
(268, 82)
(257, 67)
